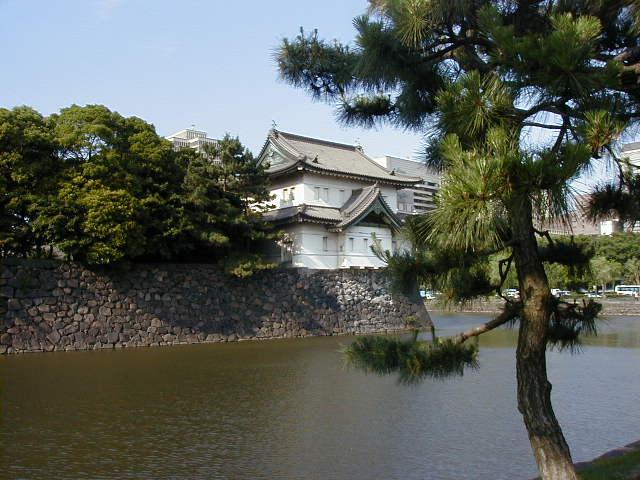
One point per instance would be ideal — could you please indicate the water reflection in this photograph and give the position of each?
(622, 332)
(292, 409)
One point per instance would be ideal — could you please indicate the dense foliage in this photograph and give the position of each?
(616, 259)
(28, 178)
(102, 188)
(604, 259)
(516, 100)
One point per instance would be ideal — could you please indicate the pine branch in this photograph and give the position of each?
(411, 359)
(510, 313)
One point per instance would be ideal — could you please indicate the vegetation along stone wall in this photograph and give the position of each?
(52, 306)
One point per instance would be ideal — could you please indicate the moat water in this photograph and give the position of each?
(291, 409)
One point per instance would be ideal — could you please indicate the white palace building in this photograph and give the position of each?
(332, 201)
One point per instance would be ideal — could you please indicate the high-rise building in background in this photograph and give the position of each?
(577, 222)
(192, 138)
(417, 198)
(632, 152)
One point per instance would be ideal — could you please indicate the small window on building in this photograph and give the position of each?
(285, 194)
(342, 197)
(325, 244)
(351, 247)
(316, 193)
(325, 194)
(291, 193)
(365, 242)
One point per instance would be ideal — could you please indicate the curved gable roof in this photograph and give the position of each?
(361, 203)
(322, 156)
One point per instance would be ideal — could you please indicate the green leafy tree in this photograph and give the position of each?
(119, 198)
(479, 78)
(126, 194)
(632, 270)
(619, 247)
(29, 169)
(605, 271)
(98, 224)
(557, 275)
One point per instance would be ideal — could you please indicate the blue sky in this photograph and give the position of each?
(208, 63)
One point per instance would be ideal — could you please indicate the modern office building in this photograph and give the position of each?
(578, 223)
(632, 152)
(418, 198)
(191, 138)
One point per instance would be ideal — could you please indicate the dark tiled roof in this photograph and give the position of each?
(359, 205)
(361, 202)
(328, 157)
(300, 213)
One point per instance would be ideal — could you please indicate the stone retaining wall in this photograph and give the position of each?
(49, 305)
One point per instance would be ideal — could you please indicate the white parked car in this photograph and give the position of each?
(429, 295)
(511, 293)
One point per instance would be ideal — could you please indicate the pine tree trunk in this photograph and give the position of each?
(534, 390)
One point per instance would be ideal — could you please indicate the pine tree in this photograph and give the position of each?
(516, 99)
(618, 199)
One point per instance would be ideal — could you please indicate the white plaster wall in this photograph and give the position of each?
(335, 185)
(356, 245)
(308, 246)
(277, 190)
(344, 250)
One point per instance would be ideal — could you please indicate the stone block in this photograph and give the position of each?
(69, 329)
(54, 337)
(112, 337)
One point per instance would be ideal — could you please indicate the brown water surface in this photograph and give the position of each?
(292, 410)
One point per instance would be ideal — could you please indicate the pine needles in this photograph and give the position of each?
(412, 360)
(569, 321)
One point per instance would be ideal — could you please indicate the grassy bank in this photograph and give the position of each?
(625, 466)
